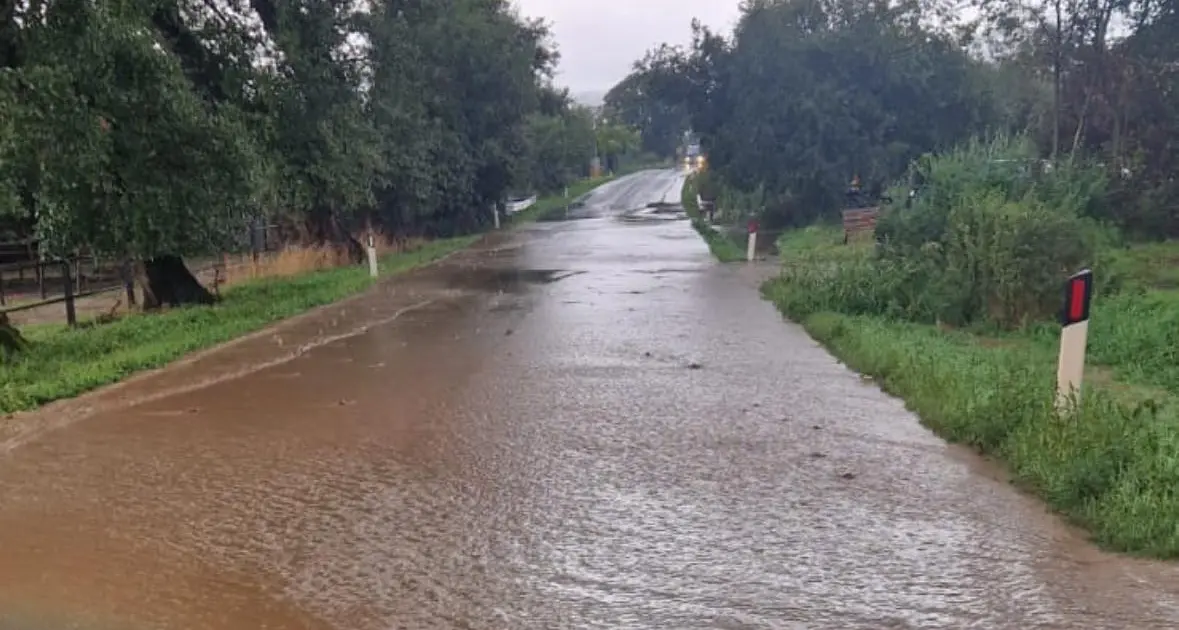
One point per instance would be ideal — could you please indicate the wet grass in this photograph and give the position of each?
(721, 246)
(1113, 468)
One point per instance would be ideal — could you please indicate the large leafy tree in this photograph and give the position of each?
(114, 152)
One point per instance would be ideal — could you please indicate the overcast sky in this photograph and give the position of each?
(600, 39)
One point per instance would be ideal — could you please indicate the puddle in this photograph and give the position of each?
(503, 280)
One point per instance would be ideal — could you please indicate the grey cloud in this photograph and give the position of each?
(600, 39)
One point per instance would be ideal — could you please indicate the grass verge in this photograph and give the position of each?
(1112, 469)
(721, 246)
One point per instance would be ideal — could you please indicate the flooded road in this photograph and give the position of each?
(581, 424)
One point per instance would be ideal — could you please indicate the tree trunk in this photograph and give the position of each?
(325, 228)
(11, 341)
(167, 280)
(1057, 87)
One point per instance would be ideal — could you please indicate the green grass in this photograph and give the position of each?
(1113, 469)
(1149, 265)
(721, 246)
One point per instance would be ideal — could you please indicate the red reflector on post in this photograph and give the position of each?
(1076, 305)
(1078, 293)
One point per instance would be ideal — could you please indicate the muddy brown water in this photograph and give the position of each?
(579, 425)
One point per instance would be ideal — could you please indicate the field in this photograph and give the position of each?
(1113, 468)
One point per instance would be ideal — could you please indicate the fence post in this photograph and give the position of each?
(129, 283)
(68, 285)
(254, 238)
(41, 278)
(371, 252)
(751, 247)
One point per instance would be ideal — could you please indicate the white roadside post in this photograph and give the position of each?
(1074, 333)
(371, 250)
(752, 240)
(495, 214)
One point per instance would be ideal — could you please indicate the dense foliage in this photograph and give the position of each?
(149, 128)
(988, 239)
(803, 96)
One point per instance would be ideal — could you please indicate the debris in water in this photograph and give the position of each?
(694, 366)
(815, 427)
(818, 455)
(508, 332)
(848, 475)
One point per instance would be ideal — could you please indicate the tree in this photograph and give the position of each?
(806, 95)
(560, 145)
(118, 154)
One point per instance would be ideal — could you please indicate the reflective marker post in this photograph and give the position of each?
(752, 240)
(371, 250)
(1074, 333)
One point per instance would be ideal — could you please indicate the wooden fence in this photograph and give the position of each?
(859, 222)
(27, 283)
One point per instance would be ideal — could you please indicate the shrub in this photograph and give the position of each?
(990, 235)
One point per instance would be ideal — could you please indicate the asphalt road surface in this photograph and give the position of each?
(580, 424)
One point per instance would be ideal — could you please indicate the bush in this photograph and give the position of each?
(989, 237)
